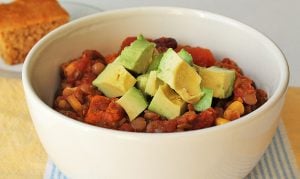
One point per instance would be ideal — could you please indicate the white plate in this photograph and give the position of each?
(75, 9)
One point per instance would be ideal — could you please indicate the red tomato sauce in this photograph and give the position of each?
(80, 100)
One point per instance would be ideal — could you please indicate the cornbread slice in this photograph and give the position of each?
(23, 23)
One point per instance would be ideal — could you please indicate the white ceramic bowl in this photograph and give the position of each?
(84, 151)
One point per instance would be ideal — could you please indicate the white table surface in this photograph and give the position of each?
(278, 19)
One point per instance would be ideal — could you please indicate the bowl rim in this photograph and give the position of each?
(31, 59)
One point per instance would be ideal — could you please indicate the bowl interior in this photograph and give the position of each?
(255, 54)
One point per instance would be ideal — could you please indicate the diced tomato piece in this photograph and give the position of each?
(97, 107)
(111, 58)
(201, 56)
(104, 110)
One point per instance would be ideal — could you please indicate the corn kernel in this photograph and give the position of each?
(236, 106)
(231, 114)
(220, 121)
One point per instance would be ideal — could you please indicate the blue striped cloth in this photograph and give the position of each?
(278, 162)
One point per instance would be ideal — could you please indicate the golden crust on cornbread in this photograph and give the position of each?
(24, 22)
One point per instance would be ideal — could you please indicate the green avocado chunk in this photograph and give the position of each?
(114, 80)
(133, 102)
(153, 83)
(167, 103)
(220, 80)
(180, 76)
(155, 61)
(205, 101)
(141, 81)
(186, 56)
(138, 56)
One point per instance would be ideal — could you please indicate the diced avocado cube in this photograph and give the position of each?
(167, 103)
(220, 80)
(186, 56)
(114, 80)
(180, 76)
(155, 61)
(141, 81)
(133, 102)
(138, 56)
(153, 83)
(205, 101)
(197, 68)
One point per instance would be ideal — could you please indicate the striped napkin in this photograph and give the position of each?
(278, 162)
